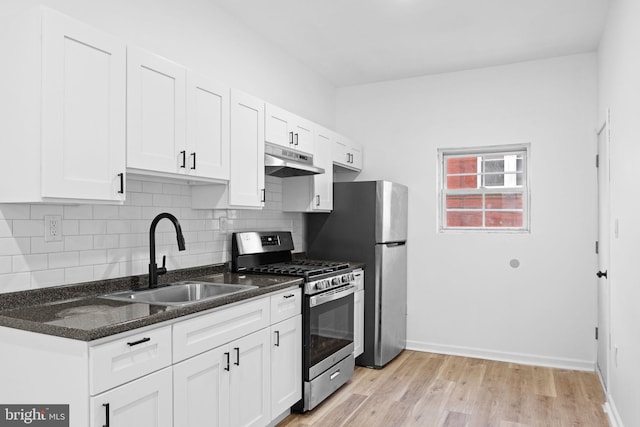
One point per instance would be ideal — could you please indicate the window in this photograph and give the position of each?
(484, 188)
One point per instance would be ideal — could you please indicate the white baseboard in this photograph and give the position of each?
(612, 413)
(524, 359)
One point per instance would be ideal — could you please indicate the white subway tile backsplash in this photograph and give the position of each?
(96, 256)
(78, 212)
(78, 274)
(5, 264)
(15, 211)
(22, 263)
(64, 259)
(44, 278)
(39, 246)
(15, 282)
(105, 241)
(39, 211)
(6, 228)
(14, 246)
(78, 243)
(92, 226)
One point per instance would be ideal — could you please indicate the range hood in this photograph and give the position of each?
(285, 163)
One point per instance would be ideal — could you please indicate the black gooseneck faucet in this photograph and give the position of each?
(154, 271)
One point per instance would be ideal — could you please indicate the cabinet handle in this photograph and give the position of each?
(290, 137)
(193, 166)
(106, 414)
(295, 139)
(317, 200)
(131, 344)
(184, 159)
(237, 362)
(350, 157)
(288, 296)
(263, 196)
(228, 356)
(121, 176)
(277, 344)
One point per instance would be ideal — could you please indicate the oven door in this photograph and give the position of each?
(328, 333)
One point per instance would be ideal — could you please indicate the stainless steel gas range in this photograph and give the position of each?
(327, 311)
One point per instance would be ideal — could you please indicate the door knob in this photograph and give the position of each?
(600, 274)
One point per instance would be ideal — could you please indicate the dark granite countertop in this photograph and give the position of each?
(78, 312)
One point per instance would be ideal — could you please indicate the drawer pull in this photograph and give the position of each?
(288, 296)
(237, 362)
(131, 344)
(277, 344)
(228, 356)
(106, 414)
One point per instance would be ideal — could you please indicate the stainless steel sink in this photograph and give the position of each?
(180, 293)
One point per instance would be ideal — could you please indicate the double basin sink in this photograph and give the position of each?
(181, 293)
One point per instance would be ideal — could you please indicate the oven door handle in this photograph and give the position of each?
(331, 295)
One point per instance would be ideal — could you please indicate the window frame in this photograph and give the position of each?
(523, 149)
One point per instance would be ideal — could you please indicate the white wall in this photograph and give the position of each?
(199, 35)
(619, 78)
(463, 296)
(112, 241)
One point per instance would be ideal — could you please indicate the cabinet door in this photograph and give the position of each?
(145, 402)
(356, 156)
(286, 364)
(278, 126)
(201, 390)
(340, 151)
(207, 127)
(156, 113)
(358, 323)
(246, 183)
(249, 385)
(323, 183)
(303, 136)
(83, 115)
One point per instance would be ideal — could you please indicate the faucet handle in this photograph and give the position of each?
(163, 269)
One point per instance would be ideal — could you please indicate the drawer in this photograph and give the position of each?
(199, 334)
(286, 304)
(128, 358)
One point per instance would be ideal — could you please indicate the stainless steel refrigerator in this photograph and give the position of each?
(369, 224)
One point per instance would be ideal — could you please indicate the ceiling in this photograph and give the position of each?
(353, 42)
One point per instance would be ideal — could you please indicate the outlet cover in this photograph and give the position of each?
(52, 228)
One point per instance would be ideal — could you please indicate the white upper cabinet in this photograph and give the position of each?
(207, 127)
(312, 193)
(246, 184)
(288, 130)
(177, 120)
(347, 154)
(63, 108)
(156, 113)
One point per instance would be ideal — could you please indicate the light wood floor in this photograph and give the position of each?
(424, 389)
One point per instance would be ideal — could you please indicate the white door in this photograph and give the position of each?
(323, 183)
(250, 375)
(286, 364)
(246, 182)
(84, 89)
(278, 126)
(156, 113)
(207, 127)
(145, 402)
(201, 390)
(303, 135)
(604, 236)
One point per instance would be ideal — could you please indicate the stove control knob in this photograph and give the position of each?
(335, 282)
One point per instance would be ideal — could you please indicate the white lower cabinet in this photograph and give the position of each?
(358, 323)
(218, 368)
(145, 402)
(228, 385)
(286, 364)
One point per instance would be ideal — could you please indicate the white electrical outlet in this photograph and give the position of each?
(52, 228)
